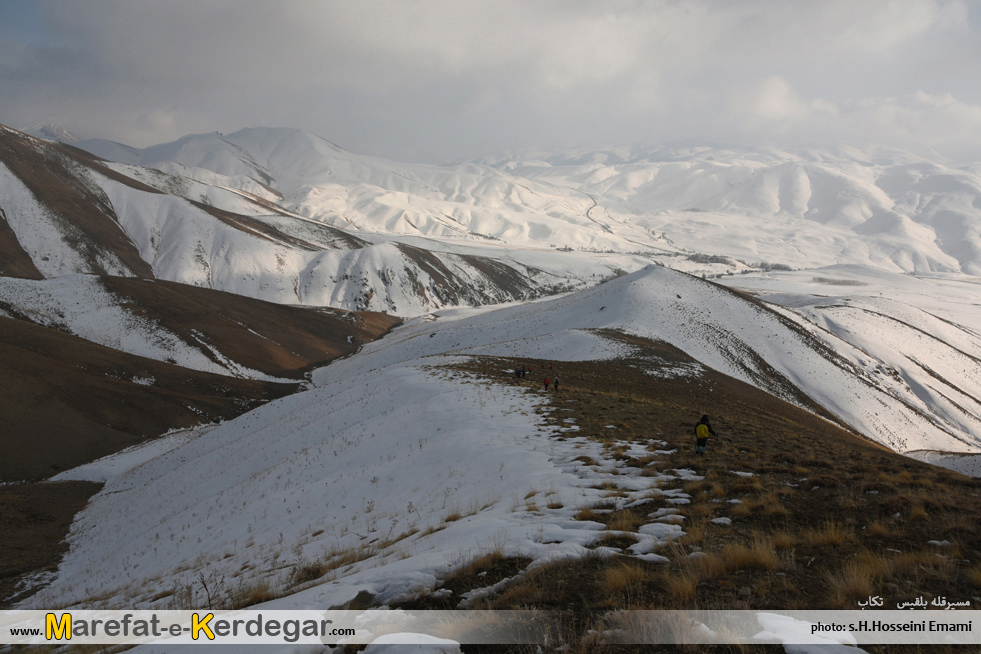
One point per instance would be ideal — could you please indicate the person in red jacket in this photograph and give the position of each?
(546, 383)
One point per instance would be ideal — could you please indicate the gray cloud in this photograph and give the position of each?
(440, 79)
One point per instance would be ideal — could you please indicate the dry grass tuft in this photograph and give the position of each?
(879, 529)
(783, 540)
(251, 594)
(682, 587)
(918, 514)
(624, 520)
(745, 508)
(759, 554)
(848, 584)
(624, 579)
(832, 533)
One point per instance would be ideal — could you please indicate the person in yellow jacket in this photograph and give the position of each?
(702, 431)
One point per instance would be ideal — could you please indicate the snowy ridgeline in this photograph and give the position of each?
(803, 208)
(410, 469)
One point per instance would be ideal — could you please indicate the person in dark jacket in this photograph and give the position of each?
(702, 431)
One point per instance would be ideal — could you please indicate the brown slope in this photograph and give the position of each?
(34, 519)
(66, 401)
(84, 215)
(14, 261)
(275, 339)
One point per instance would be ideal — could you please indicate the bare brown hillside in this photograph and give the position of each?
(276, 339)
(67, 401)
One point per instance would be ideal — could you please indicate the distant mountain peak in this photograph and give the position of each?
(52, 132)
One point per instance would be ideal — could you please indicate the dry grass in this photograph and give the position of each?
(918, 514)
(831, 533)
(903, 477)
(624, 520)
(251, 594)
(783, 540)
(800, 520)
(879, 529)
(974, 576)
(682, 587)
(743, 509)
(746, 485)
(694, 533)
(759, 554)
(624, 579)
(848, 584)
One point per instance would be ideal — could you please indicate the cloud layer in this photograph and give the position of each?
(440, 79)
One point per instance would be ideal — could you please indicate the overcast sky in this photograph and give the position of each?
(434, 80)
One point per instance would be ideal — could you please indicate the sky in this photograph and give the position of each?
(442, 80)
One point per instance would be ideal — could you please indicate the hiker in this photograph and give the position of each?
(555, 384)
(546, 383)
(702, 431)
(517, 373)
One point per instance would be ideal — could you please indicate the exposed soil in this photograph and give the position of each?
(34, 518)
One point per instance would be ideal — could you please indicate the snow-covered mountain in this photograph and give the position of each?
(52, 132)
(802, 208)
(64, 212)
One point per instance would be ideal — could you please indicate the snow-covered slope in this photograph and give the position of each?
(390, 442)
(917, 337)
